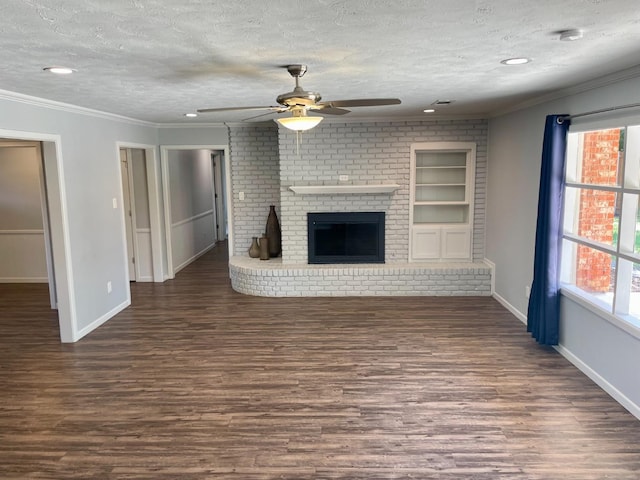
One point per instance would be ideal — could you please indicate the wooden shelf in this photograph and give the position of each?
(386, 188)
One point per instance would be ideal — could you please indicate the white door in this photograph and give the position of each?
(128, 216)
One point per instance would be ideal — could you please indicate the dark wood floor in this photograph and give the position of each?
(195, 381)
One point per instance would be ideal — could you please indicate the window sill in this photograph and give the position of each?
(629, 325)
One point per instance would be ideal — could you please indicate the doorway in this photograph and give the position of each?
(55, 225)
(195, 201)
(142, 257)
(25, 239)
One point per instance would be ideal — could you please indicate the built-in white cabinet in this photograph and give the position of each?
(441, 214)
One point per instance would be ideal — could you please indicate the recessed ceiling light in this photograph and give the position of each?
(571, 35)
(59, 70)
(190, 114)
(516, 61)
(429, 110)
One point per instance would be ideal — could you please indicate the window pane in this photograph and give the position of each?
(592, 214)
(600, 157)
(590, 270)
(636, 240)
(634, 303)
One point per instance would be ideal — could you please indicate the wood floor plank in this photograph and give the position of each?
(195, 381)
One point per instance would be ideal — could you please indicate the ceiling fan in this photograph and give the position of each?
(299, 102)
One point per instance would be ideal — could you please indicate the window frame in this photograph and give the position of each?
(627, 189)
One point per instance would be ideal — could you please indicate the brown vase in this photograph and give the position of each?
(264, 248)
(254, 249)
(273, 233)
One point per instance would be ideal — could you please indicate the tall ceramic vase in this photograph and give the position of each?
(273, 233)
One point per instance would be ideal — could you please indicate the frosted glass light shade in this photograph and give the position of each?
(299, 123)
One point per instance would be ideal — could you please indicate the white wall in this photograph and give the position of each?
(22, 239)
(606, 353)
(88, 231)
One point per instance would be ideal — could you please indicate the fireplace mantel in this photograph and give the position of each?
(385, 188)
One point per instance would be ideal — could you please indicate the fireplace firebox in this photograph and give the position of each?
(346, 237)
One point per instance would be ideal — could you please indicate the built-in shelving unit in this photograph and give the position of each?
(344, 189)
(442, 178)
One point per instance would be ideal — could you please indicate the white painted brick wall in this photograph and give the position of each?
(254, 171)
(368, 153)
(272, 278)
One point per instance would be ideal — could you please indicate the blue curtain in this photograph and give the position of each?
(543, 314)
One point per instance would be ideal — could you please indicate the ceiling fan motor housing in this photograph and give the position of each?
(299, 97)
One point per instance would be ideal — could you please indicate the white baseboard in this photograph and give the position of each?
(95, 324)
(193, 258)
(517, 313)
(616, 394)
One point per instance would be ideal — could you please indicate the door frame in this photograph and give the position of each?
(155, 208)
(164, 161)
(58, 227)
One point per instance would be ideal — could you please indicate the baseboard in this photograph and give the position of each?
(517, 313)
(91, 327)
(616, 394)
(144, 279)
(24, 280)
(193, 258)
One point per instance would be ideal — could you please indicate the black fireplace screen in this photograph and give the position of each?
(351, 237)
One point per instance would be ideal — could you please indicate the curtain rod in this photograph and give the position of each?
(595, 112)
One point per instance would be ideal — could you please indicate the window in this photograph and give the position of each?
(601, 237)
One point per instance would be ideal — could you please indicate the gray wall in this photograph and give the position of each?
(94, 249)
(608, 354)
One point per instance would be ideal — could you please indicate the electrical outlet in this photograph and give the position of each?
(241, 196)
(114, 201)
(109, 287)
(527, 291)
(343, 178)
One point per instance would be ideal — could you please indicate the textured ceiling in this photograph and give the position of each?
(155, 60)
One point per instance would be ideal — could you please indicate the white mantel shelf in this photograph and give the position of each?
(343, 189)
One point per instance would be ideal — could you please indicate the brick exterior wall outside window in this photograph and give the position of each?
(597, 208)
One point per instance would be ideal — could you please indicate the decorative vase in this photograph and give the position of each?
(273, 233)
(264, 248)
(254, 249)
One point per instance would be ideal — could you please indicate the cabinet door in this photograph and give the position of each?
(456, 243)
(425, 243)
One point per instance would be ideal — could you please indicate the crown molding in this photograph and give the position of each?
(70, 108)
(599, 82)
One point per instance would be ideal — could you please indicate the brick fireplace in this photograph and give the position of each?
(265, 163)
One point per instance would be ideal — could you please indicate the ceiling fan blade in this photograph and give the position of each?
(331, 110)
(364, 102)
(263, 115)
(229, 109)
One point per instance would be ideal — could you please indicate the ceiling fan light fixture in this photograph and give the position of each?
(299, 123)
